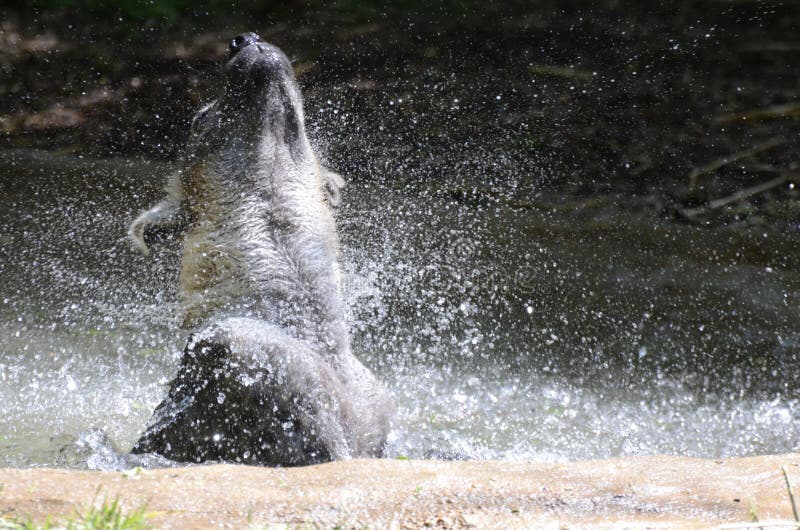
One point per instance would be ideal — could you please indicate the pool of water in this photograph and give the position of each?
(505, 329)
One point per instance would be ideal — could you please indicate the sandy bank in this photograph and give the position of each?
(644, 492)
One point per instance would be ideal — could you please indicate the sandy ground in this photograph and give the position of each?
(644, 492)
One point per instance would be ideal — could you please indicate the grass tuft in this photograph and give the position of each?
(108, 516)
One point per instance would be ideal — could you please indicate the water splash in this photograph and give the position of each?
(504, 332)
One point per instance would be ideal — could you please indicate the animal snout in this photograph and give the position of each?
(240, 42)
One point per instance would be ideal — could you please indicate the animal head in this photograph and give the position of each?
(260, 103)
(255, 68)
(257, 121)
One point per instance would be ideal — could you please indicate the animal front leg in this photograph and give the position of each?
(246, 391)
(163, 213)
(303, 384)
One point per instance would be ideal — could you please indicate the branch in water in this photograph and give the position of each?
(784, 176)
(697, 172)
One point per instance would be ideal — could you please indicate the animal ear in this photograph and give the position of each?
(333, 186)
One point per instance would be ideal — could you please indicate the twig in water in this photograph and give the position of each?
(783, 177)
(789, 110)
(695, 174)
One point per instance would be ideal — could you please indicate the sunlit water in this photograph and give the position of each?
(504, 331)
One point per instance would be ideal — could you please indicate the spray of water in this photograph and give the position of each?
(505, 330)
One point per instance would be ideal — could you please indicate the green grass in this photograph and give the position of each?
(109, 516)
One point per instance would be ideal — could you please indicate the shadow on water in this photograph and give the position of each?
(504, 331)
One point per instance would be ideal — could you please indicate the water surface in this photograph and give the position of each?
(504, 328)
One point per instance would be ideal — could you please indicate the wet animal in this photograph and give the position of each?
(268, 375)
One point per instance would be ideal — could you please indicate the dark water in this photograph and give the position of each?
(505, 329)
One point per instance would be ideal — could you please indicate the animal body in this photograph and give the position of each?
(268, 375)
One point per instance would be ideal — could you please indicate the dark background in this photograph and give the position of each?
(535, 104)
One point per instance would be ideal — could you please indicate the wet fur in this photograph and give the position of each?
(268, 375)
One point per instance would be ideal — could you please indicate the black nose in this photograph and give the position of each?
(240, 42)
